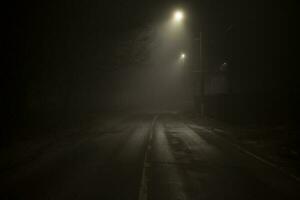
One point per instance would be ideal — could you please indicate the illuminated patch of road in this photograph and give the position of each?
(162, 177)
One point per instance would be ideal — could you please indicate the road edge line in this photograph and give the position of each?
(253, 155)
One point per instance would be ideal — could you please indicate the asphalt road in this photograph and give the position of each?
(154, 157)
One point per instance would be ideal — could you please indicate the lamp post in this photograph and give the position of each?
(202, 81)
(178, 16)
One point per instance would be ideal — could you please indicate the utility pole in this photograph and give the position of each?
(202, 76)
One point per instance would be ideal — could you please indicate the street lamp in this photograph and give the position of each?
(178, 16)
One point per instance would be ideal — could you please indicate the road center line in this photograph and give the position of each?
(143, 192)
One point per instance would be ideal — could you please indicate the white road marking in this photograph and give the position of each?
(245, 151)
(143, 193)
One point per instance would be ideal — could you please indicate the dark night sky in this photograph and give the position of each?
(58, 46)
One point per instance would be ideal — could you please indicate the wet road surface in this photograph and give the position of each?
(155, 157)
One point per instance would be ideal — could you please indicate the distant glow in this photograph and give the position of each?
(178, 16)
(223, 66)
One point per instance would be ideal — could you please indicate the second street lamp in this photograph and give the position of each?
(182, 59)
(182, 56)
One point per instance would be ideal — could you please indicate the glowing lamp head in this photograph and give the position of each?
(178, 16)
